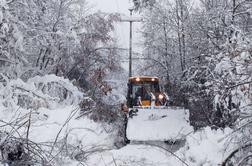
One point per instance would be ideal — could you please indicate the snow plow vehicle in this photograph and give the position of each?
(150, 118)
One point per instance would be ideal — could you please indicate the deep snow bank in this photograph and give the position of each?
(45, 111)
(207, 147)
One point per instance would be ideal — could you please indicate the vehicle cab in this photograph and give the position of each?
(142, 90)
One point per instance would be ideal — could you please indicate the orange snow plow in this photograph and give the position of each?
(150, 118)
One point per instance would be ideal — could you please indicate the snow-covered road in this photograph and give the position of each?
(135, 155)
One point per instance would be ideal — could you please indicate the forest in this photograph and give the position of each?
(59, 56)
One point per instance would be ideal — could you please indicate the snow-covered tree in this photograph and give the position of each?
(165, 37)
(58, 36)
(139, 4)
(11, 40)
(197, 40)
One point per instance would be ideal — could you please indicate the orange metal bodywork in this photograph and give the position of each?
(146, 103)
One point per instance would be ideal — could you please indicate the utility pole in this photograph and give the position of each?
(130, 45)
(130, 20)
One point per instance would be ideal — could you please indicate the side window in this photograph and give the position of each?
(156, 87)
(129, 90)
(135, 88)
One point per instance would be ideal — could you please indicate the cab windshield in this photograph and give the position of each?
(144, 89)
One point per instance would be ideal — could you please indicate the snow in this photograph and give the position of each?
(134, 155)
(223, 66)
(162, 124)
(58, 121)
(62, 123)
(52, 78)
(80, 131)
(49, 120)
(245, 56)
(207, 147)
(203, 148)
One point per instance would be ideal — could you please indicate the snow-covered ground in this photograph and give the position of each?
(45, 110)
(134, 155)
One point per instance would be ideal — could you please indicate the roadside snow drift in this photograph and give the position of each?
(45, 110)
(207, 147)
(159, 125)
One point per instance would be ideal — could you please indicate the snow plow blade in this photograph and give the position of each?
(158, 124)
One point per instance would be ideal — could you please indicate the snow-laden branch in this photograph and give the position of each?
(239, 84)
(7, 60)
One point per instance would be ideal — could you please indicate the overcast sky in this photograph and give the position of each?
(122, 29)
(121, 6)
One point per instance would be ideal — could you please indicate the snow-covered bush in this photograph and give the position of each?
(233, 78)
(40, 92)
(57, 87)
(45, 124)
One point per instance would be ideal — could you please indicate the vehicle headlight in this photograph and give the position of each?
(160, 96)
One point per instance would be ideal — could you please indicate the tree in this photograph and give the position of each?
(163, 21)
(43, 37)
(139, 4)
(200, 40)
(11, 50)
